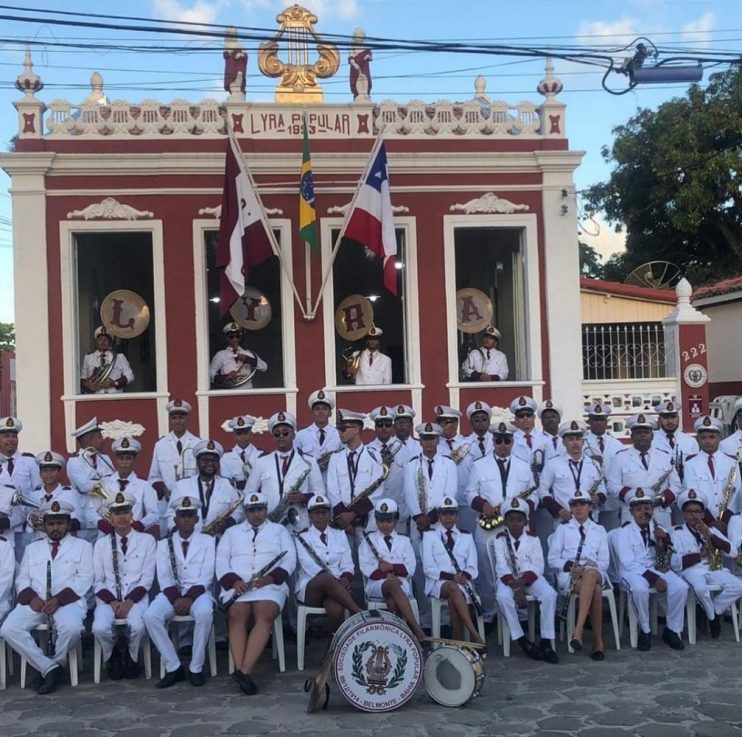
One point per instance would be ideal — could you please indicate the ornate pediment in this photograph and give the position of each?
(109, 209)
(116, 429)
(488, 203)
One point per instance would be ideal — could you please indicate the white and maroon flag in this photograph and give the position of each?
(370, 221)
(244, 240)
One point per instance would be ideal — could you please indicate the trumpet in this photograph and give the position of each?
(19, 499)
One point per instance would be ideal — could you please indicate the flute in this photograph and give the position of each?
(267, 567)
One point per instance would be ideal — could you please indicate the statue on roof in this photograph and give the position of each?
(359, 60)
(235, 65)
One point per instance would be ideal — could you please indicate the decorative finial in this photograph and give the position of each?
(96, 90)
(480, 88)
(28, 81)
(550, 86)
(683, 291)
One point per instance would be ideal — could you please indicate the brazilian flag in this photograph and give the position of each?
(307, 213)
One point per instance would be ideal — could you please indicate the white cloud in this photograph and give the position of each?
(201, 11)
(602, 237)
(699, 31)
(617, 33)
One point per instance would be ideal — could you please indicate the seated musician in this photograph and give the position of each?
(387, 562)
(7, 574)
(55, 574)
(325, 567)
(699, 552)
(519, 562)
(51, 489)
(124, 564)
(232, 363)
(579, 553)
(640, 549)
(253, 562)
(104, 371)
(185, 574)
(449, 561)
(237, 464)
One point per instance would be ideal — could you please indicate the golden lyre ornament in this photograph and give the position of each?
(298, 77)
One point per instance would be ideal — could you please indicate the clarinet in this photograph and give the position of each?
(572, 581)
(173, 562)
(473, 595)
(267, 567)
(49, 650)
(373, 547)
(312, 553)
(116, 570)
(511, 555)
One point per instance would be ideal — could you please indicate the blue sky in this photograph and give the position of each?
(591, 114)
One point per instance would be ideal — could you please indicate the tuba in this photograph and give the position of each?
(243, 375)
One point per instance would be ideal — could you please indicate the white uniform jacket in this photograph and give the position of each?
(136, 567)
(58, 494)
(145, 507)
(401, 555)
(237, 464)
(195, 567)
(528, 553)
(562, 476)
(541, 446)
(83, 477)
(334, 553)
(685, 445)
(394, 482)
(733, 444)
(224, 362)
(688, 546)
(634, 557)
(485, 482)
(418, 483)
(566, 541)
(7, 573)
(698, 476)
(611, 446)
(168, 465)
(378, 372)
(121, 367)
(483, 361)
(437, 564)
(214, 504)
(626, 474)
(307, 440)
(25, 474)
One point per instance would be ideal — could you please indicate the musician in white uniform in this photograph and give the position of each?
(320, 439)
(529, 444)
(253, 562)
(374, 367)
(185, 573)
(55, 574)
(7, 574)
(86, 470)
(474, 446)
(352, 471)
(732, 445)
(120, 374)
(325, 567)
(395, 455)
(228, 364)
(550, 414)
(220, 501)
(237, 464)
(640, 466)
(486, 363)
(519, 567)
(50, 469)
(713, 473)
(124, 563)
(387, 562)
(286, 476)
(579, 554)
(699, 553)
(449, 562)
(404, 417)
(680, 445)
(448, 418)
(639, 547)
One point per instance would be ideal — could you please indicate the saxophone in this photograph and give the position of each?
(655, 488)
(713, 554)
(663, 551)
(284, 509)
(212, 528)
(422, 496)
(490, 522)
(731, 482)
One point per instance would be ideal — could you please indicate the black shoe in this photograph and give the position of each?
(645, 641)
(598, 655)
(246, 683)
(131, 668)
(113, 666)
(575, 644)
(50, 681)
(196, 679)
(715, 626)
(37, 681)
(489, 628)
(529, 648)
(548, 654)
(672, 639)
(170, 679)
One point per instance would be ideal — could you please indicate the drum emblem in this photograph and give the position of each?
(378, 667)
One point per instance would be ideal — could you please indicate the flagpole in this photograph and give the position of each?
(339, 239)
(309, 315)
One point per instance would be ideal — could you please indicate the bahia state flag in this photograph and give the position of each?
(307, 213)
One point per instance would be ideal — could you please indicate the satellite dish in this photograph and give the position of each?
(655, 275)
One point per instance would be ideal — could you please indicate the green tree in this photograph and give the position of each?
(676, 182)
(591, 264)
(7, 336)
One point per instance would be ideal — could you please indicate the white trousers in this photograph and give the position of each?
(68, 623)
(158, 616)
(677, 594)
(701, 578)
(547, 599)
(103, 627)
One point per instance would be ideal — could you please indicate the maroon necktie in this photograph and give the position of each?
(242, 456)
(184, 545)
(388, 541)
(322, 435)
(430, 469)
(449, 540)
(55, 549)
(554, 442)
(644, 461)
(122, 484)
(323, 538)
(179, 447)
(481, 445)
(711, 467)
(601, 444)
(102, 359)
(124, 545)
(285, 466)
(11, 466)
(371, 359)
(449, 442)
(671, 440)
(529, 440)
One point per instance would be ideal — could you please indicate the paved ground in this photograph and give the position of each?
(695, 693)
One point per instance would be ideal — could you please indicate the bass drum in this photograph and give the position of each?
(453, 675)
(376, 661)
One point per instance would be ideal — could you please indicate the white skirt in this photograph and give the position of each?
(272, 592)
(563, 580)
(435, 590)
(373, 588)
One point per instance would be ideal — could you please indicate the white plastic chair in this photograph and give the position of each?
(303, 612)
(74, 659)
(4, 665)
(146, 651)
(277, 647)
(690, 613)
(436, 607)
(372, 604)
(210, 648)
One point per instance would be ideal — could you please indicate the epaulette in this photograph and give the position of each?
(734, 458)
(38, 488)
(564, 522)
(678, 527)
(628, 522)
(28, 455)
(465, 532)
(306, 529)
(623, 450)
(661, 450)
(501, 534)
(372, 453)
(693, 455)
(264, 453)
(67, 488)
(414, 459)
(303, 453)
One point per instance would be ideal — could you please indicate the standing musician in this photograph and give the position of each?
(476, 445)
(353, 471)
(229, 363)
(404, 417)
(373, 366)
(529, 444)
(486, 363)
(714, 474)
(579, 554)
(640, 466)
(237, 464)
(498, 477)
(253, 561)
(7, 574)
(124, 563)
(449, 561)
(733, 444)
(55, 574)
(50, 469)
(145, 512)
(680, 445)
(565, 473)
(86, 471)
(394, 454)
(320, 439)
(104, 371)
(325, 567)
(387, 562)
(185, 573)
(519, 567)
(448, 419)
(699, 552)
(644, 552)
(221, 503)
(550, 414)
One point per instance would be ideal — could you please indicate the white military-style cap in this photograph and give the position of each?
(579, 496)
(492, 331)
(56, 508)
(382, 413)
(122, 500)
(255, 499)
(375, 332)
(549, 404)
(707, 424)
(522, 404)
(282, 418)
(90, 426)
(638, 496)
(318, 501)
(386, 508)
(641, 421)
(208, 447)
(444, 412)
(178, 406)
(126, 445)
(10, 424)
(572, 427)
(321, 397)
(478, 407)
(49, 458)
(668, 407)
(241, 422)
(502, 427)
(448, 502)
(102, 330)
(428, 429)
(515, 505)
(598, 410)
(691, 496)
(738, 406)
(231, 327)
(404, 411)
(347, 416)
(185, 504)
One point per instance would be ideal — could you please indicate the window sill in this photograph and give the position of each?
(494, 384)
(246, 392)
(352, 388)
(113, 397)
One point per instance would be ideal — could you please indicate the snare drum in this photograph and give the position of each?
(453, 675)
(376, 661)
